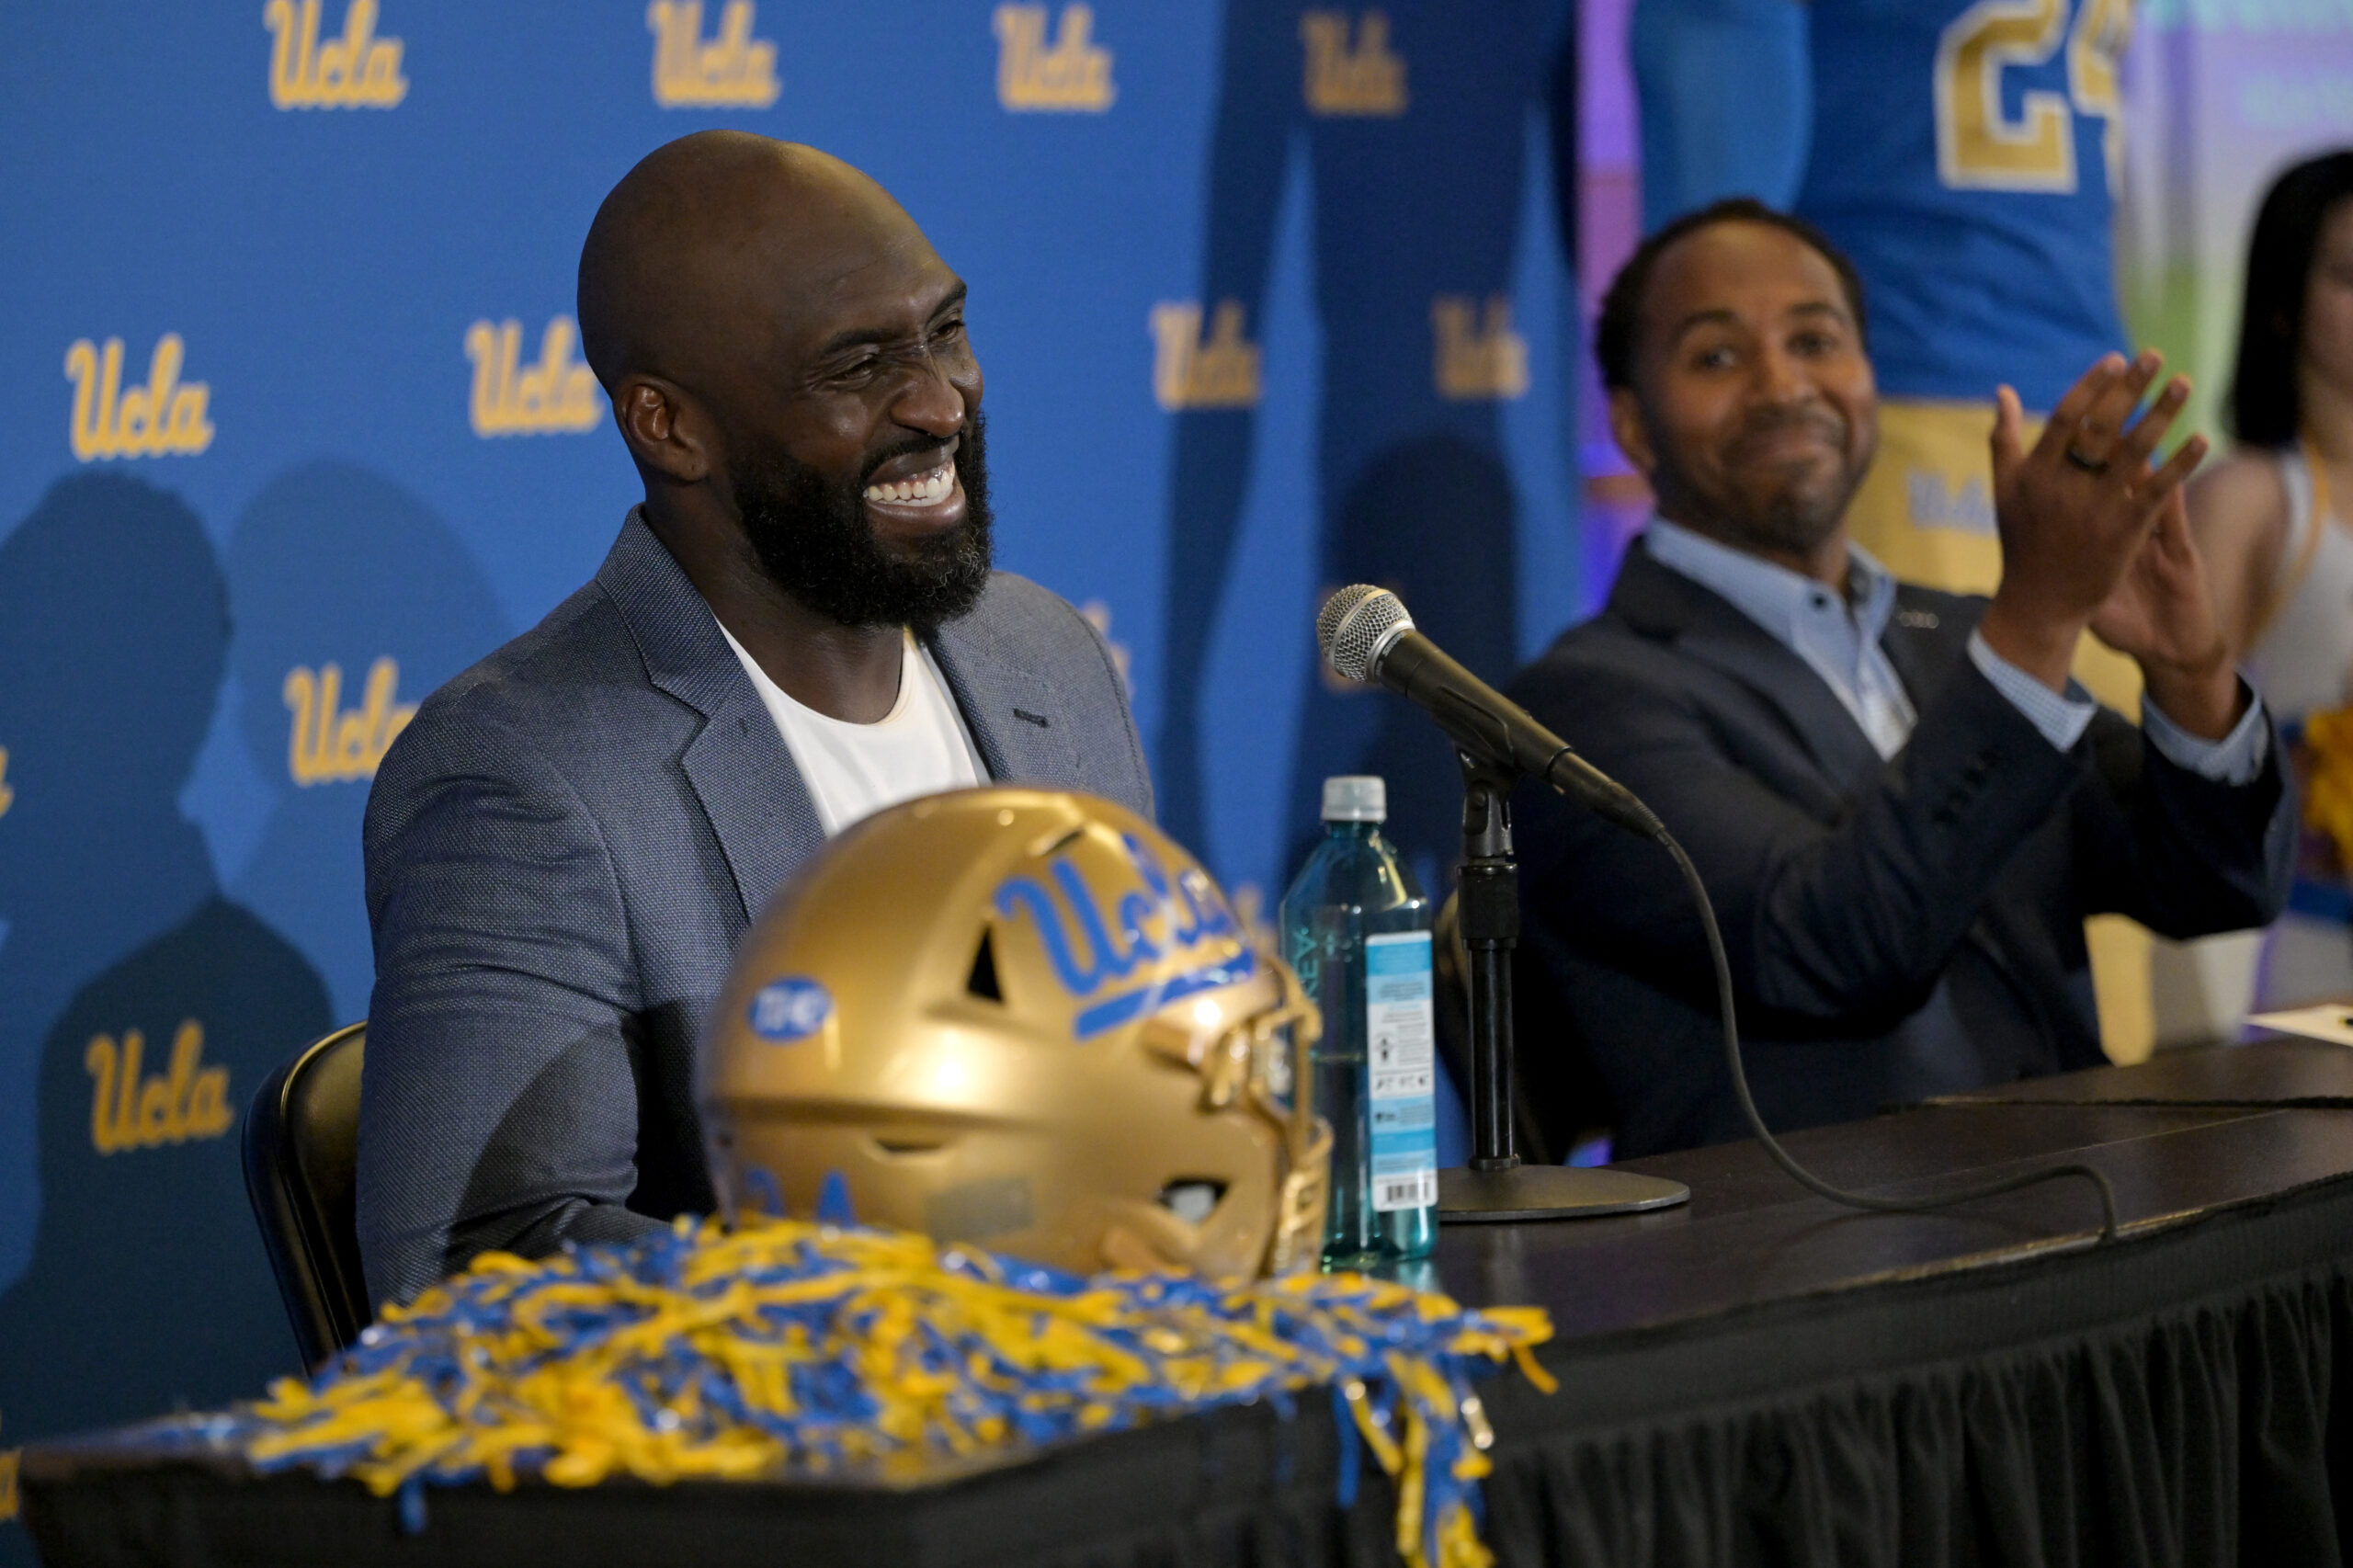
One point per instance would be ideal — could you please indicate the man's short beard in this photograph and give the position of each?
(1786, 524)
(1791, 521)
(814, 542)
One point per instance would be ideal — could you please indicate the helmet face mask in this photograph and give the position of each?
(1259, 1059)
(1027, 1020)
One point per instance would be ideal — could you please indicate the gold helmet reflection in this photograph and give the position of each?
(1025, 1020)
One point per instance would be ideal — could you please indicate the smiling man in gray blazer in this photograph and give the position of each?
(1901, 805)
(798, 626)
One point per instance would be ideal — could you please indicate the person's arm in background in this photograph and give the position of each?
(1726, 102)
(2238, 513)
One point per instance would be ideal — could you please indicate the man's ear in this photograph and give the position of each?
(664, 429)
(1631, 432)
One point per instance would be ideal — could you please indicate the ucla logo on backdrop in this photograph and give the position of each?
(1475, 361)
(1360, 78)
(1935, 501)
(328, 743)
(556, 396)
(1154, 917)
(1191, 371)
(187, 1101)
(1071, 75)
(8, 795)
(733, 70)
(168, 417)
(356, 70)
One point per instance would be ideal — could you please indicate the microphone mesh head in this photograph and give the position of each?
(1356, 625)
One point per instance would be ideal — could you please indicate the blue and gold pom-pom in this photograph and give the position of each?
(786, 1348)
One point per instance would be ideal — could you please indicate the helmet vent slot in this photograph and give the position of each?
(1192, 1198)
(982, 982)
(905, 1144)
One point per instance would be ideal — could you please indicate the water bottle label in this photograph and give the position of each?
(1401, 1060)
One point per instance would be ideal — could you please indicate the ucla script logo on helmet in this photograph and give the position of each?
(1160, 919)
(791, 1009)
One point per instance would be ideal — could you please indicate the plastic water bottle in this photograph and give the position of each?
(1358, 931)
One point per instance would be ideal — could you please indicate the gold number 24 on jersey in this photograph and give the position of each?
(1981, 148)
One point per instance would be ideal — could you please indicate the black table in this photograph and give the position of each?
(2278, 1071)
(1759, 1377)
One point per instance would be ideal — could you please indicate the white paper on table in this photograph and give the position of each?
(2332, 1022)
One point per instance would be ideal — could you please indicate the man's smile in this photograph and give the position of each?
(928, 488)
(918, 488)
(1788, 440)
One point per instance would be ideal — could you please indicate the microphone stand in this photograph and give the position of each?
(1496, 1185)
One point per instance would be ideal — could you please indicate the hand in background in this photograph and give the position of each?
(2077, 512)
(2162, 616)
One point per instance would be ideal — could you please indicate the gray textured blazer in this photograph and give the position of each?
(563, 850)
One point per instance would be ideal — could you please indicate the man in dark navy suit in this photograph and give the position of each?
(1902, 806)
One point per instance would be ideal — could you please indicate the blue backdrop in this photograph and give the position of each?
(1270, 297)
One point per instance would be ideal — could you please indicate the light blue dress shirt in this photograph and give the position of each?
(1839, 641)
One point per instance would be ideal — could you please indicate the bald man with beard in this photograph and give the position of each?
(797, 627)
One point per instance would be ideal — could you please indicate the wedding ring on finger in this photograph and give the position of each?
(2088, 464)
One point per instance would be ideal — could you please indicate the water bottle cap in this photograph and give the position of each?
(1355, 796)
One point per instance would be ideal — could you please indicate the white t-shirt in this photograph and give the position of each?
(920, 748)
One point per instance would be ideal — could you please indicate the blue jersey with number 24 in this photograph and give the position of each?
(1966, 155)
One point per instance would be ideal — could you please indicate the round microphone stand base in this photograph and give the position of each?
(1467, 1196)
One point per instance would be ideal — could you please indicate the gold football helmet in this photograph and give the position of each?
(1025, 1020)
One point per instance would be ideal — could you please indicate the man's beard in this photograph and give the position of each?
(814, 539)
(1786, 523)
(1789, 518)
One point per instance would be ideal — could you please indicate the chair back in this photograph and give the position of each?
(301, 1147)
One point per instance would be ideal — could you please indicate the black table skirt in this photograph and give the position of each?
(2187, 1399)
(2183, 1396)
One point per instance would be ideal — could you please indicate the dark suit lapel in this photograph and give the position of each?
(1926, 641)
(1923, 638)
(1017, 721)
(1663, 603)
(742, 772)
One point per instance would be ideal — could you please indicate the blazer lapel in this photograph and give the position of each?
(1923, 638)
(738, 765)
(1019, 722)
(1663, 603)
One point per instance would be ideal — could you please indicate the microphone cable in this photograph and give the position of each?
(1787, 1161)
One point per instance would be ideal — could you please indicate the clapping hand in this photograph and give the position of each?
(2094, 536)
(2162, 616)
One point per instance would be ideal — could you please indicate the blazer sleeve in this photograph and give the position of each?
(499, 1095)
(1839, 914)
(2184, 855)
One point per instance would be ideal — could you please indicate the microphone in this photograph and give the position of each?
(1367, 636)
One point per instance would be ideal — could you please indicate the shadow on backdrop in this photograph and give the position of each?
(113, 628)
(1415, 148)
(147, 1285)
(353, 601)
